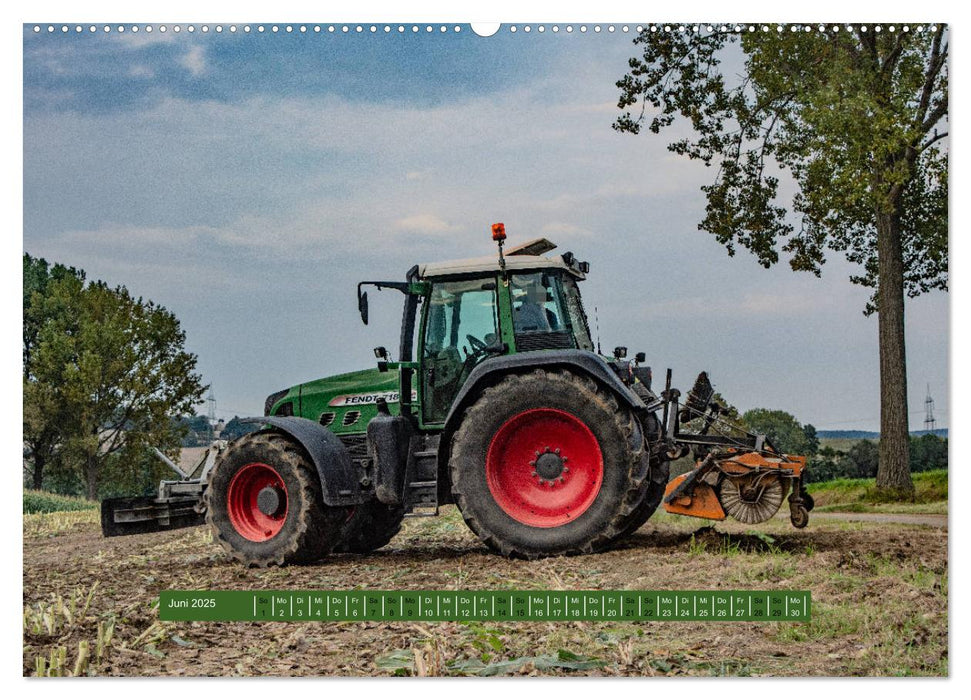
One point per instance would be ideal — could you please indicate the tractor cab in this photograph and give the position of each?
(459, 313)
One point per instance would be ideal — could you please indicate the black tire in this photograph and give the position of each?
(580, 401)
(369, 527)
(653, 495)
(304, 528)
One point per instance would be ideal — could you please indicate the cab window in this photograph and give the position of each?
(460, 328)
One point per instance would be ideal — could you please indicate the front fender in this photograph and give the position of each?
(338, 477)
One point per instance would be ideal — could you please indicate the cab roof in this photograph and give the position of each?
(527, 256)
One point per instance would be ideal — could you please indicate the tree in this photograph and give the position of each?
(235, 429)
(197, 431)
(855, 117)
(783, 430)
(928, 452)
(44, 418)
(120, 371)
(865, 456)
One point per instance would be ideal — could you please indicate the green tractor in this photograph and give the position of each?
(498, 402)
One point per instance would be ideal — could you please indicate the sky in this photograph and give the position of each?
(248, 181)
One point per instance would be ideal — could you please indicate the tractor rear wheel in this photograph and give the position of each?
(369, 527)
(264, 503)
(547, 463)
(654, 488)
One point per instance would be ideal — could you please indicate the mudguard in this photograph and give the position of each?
(584, 361)
(338, 477)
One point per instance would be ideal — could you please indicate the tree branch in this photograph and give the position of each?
(934, 66)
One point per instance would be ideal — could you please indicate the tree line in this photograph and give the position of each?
(104, 374)
(860, 461)
(199, 432)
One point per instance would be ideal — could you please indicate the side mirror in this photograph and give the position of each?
(381, 352)
(620, 352)
(585, 267)
(362, 306)
(640, 357)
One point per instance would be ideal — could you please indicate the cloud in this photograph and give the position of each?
(194, 61)
(142, 38)
(556, 228)
(140, 70)
(424, 223)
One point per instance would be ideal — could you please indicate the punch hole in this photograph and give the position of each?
(485, 29)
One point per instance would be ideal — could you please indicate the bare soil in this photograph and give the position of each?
(879, 603)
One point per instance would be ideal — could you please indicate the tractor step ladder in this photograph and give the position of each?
(421, 489)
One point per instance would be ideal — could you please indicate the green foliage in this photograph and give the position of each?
(197, 431)
(106, 372)
(928, 452)
(783, 430)
(43, 412)
(930, 487)
(44, 502)
(865, 456)
(851, 116)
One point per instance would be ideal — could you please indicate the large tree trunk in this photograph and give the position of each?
(894, 470)
(39, 463)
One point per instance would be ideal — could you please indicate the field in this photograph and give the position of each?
(879, 604)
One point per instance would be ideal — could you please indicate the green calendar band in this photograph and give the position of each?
(499, 606)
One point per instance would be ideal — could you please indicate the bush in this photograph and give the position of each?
(44, 502)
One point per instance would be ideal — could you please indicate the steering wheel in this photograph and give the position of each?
(477, 345)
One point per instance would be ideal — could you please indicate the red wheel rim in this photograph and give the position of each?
(544, 467)
(242, 502)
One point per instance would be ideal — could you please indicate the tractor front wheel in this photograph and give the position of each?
(547, 463)
(264, 503)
